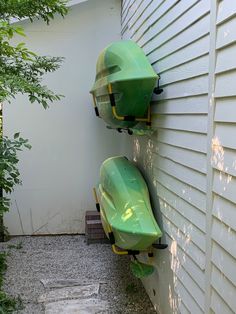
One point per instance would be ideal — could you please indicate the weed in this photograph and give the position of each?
(8, 304)
(3, 267)
(131, 288)
(17, 246)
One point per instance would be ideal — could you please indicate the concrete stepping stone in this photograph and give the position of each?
(82, 306)
(72, 296)
(62, 283)
(75, 292)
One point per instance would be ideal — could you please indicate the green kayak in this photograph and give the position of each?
(125, 205)
(124, 85)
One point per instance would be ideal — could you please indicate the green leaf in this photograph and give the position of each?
(44, 103)
(20, 31)
(16, 135)
(28, 146)
(20, 45)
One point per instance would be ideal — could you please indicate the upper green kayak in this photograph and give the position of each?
(125, 205)
(124, 66)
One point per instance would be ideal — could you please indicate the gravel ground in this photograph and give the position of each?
(69, 257)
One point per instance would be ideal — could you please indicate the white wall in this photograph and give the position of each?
(69, 142)
(190, 161)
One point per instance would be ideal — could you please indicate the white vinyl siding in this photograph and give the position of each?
(190, 161)
(223, 271)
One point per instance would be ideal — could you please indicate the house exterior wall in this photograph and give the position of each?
(189, 162)
(68, 142)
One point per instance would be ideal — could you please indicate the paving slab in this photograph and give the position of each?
(90, 306)
(75, 292)
(61, 283)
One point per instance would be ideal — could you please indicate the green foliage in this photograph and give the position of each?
(3, 267)
(131, 288)
(17, 246)
(45, 9)
(141, 270)
(9, 173)
(7, 303)
(21, 71)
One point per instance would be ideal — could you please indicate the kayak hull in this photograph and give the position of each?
(125, 205)
(125, 67)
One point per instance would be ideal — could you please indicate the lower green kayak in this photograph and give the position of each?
(125, 205)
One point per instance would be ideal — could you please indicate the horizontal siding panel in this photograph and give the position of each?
(180, 259)
(191, 159)
(194, 271)
(224, 288)
(196, 293)
(225, 211)
(172, 16)
(185, 106)
(187, 210)
(224, 185)
(126, 35)
(165, 24)
(224, 236)
(226, 110)
(224, 262)
(187, 245)
(184, 191)
(193, 141)
(192, 51)
(224, 86)
(224, 160)
(132, 10)
(182, 40)
(226, 9)
(190, 87)
(223, 132)
(225, 60)
(183, 309)
(125, 4)
(182, 173)
(226, 33)
(138, 16)
(143, 22)
(153, 13)
(185, 226)
(185, 71)
(192, 123)
(218, 305)
(187, 299)
(151, 41)
(127, 10)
